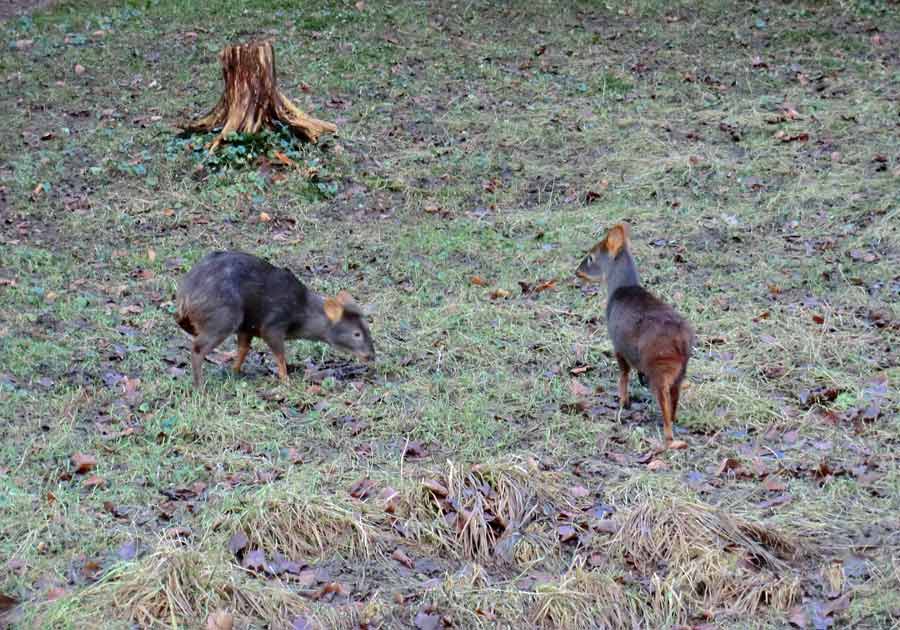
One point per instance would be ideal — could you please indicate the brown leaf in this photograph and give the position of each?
(478, 281)
(728, 464)
(362, 488)
(402, 558)
(281, 157)
(579, 491)
(566, 533)
(83, 463)
(55, 593)
(581, 369)
(414, 450)
(657, 465)
(7, 603)
(331, 588)
(578, 390)
(781, 499)
(93, 482)
(773, 484)
(436, 487)
(498, 294)
(254, 560)
(546, 285)
(220, 620)
(265, 217)
(79, 69)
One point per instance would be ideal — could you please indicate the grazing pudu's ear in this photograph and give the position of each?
(333, 309)
(617, 239)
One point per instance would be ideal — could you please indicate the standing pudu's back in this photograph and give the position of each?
(236, 293)
(647, 334)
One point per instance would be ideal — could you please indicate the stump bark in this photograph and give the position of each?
(252, 99)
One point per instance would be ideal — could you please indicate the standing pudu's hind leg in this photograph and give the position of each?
(667, 396)
(624, 371)
(674, 393)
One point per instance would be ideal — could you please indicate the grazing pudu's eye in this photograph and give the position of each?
(590, 259)
(357, 334)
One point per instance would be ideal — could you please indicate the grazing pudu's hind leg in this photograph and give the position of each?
(666, 391)
(624, 371)
(243, 345)
(204, 343)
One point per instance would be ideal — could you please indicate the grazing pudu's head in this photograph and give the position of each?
(347, 328)
(597, 266)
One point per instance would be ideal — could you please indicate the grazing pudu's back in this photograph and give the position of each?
(647, 334)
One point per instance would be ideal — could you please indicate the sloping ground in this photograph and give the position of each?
(479, 474)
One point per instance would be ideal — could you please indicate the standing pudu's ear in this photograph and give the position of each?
(617, 239)
(333, 309)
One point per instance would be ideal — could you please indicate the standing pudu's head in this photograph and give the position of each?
(347, 328)
(596, 265)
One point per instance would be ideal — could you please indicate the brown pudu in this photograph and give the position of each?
(647, 334)
(236, 293)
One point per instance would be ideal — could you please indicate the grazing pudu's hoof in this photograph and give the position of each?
(647, 334)
(232, 293)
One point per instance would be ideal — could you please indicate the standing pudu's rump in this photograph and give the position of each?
(647, 334)
(235, 293)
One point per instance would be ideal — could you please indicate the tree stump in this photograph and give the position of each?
(252, 99)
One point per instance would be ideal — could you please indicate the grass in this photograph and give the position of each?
(462, 479)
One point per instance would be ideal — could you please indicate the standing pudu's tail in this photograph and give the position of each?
(647, 334)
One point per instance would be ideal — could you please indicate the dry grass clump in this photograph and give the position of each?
(174, 586)
(586, 599)
(700, 559)
(300, 527)
(486, 512)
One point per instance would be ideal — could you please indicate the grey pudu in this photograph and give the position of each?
(236, 293)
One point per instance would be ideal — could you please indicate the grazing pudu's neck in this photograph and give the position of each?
(622, 272)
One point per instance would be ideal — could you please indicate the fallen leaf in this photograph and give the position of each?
(478, 281)
(55, 593)
(331, 588)
(436, 487)
(7, 603)
(220, 620)
(581, 369)
(265, 217)
(362, 488)
(254, 560)
(93, 482)
(566, 533)
(79, 69)
(578, 389)
(773, 484)
(414, 450)
(726, 465)
(83, 463)
(545, 286)
(281, 157)
(497, 294)
(657, 465)
(402, 558)
(23, 44)
(781, 499)
(579, 491)
(151, 255)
